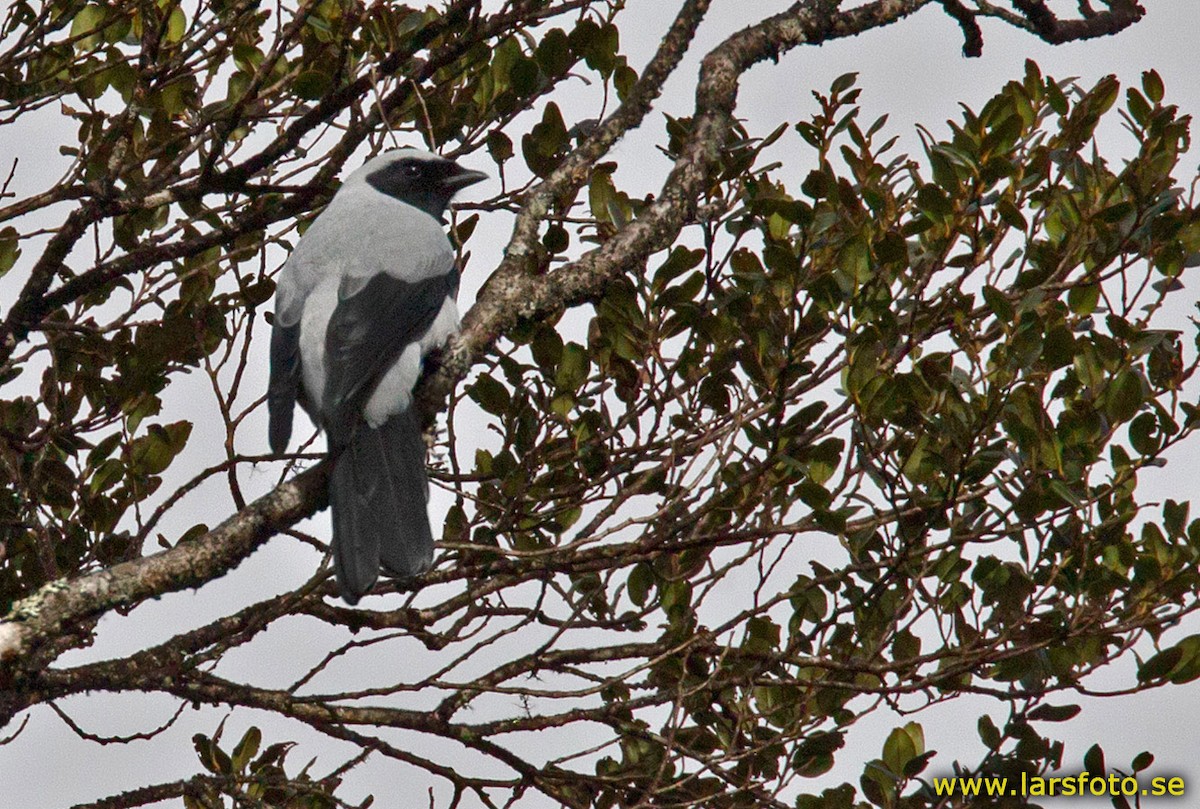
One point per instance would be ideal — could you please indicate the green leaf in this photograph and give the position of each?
(9, 249)
(499, 146)
(1084, 298)
(490, 394)
(484, 463)
(1012, 215)
(211, 756)
(681, 260)
(998, 303)
(556, 238)
(934, 202)
(624, 79)
(554, 53)
(572, 368)
(843, 83)
(543, 144)
(258, 292)
(109, 473)
(1138, 106)
(1175, 517)
(1125, 396)
(522, 73)
(1159, 665)
(1187, 668)
(192, 534)
(641, 579)
(989, 734)
(1054, 713)
(917, 764)
(899, 749)
(814, 755)
(152, 453)
(176, 26)
(312, 84)
(854, 261)
(246, 749)
(1152, 83)
(87, 24)
(906, 645)
(601, 193)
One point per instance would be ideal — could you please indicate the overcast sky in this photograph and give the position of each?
(915, 72)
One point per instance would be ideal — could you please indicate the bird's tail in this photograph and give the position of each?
(378, 495)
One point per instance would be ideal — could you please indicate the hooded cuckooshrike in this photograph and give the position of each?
(365, 295)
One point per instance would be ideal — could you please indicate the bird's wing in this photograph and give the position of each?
(284, 385)
(376, 317)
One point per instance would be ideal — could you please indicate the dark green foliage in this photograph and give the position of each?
(252, 778)
(976, 354)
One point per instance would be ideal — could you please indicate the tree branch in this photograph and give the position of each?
(511, 296)
(1120, 15)
(972, 35)
(58, 608)
(514, 294)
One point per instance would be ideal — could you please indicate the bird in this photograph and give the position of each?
(368, 291)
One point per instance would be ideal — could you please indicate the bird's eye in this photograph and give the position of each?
(410, 169)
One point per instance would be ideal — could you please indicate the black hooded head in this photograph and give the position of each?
(421, 179)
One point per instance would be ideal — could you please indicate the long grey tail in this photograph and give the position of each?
(378, 494)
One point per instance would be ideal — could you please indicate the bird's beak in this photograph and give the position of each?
(462, 178)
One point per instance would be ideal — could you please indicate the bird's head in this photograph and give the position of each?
(422, 179)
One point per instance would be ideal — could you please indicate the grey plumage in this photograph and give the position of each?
(366, 294)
